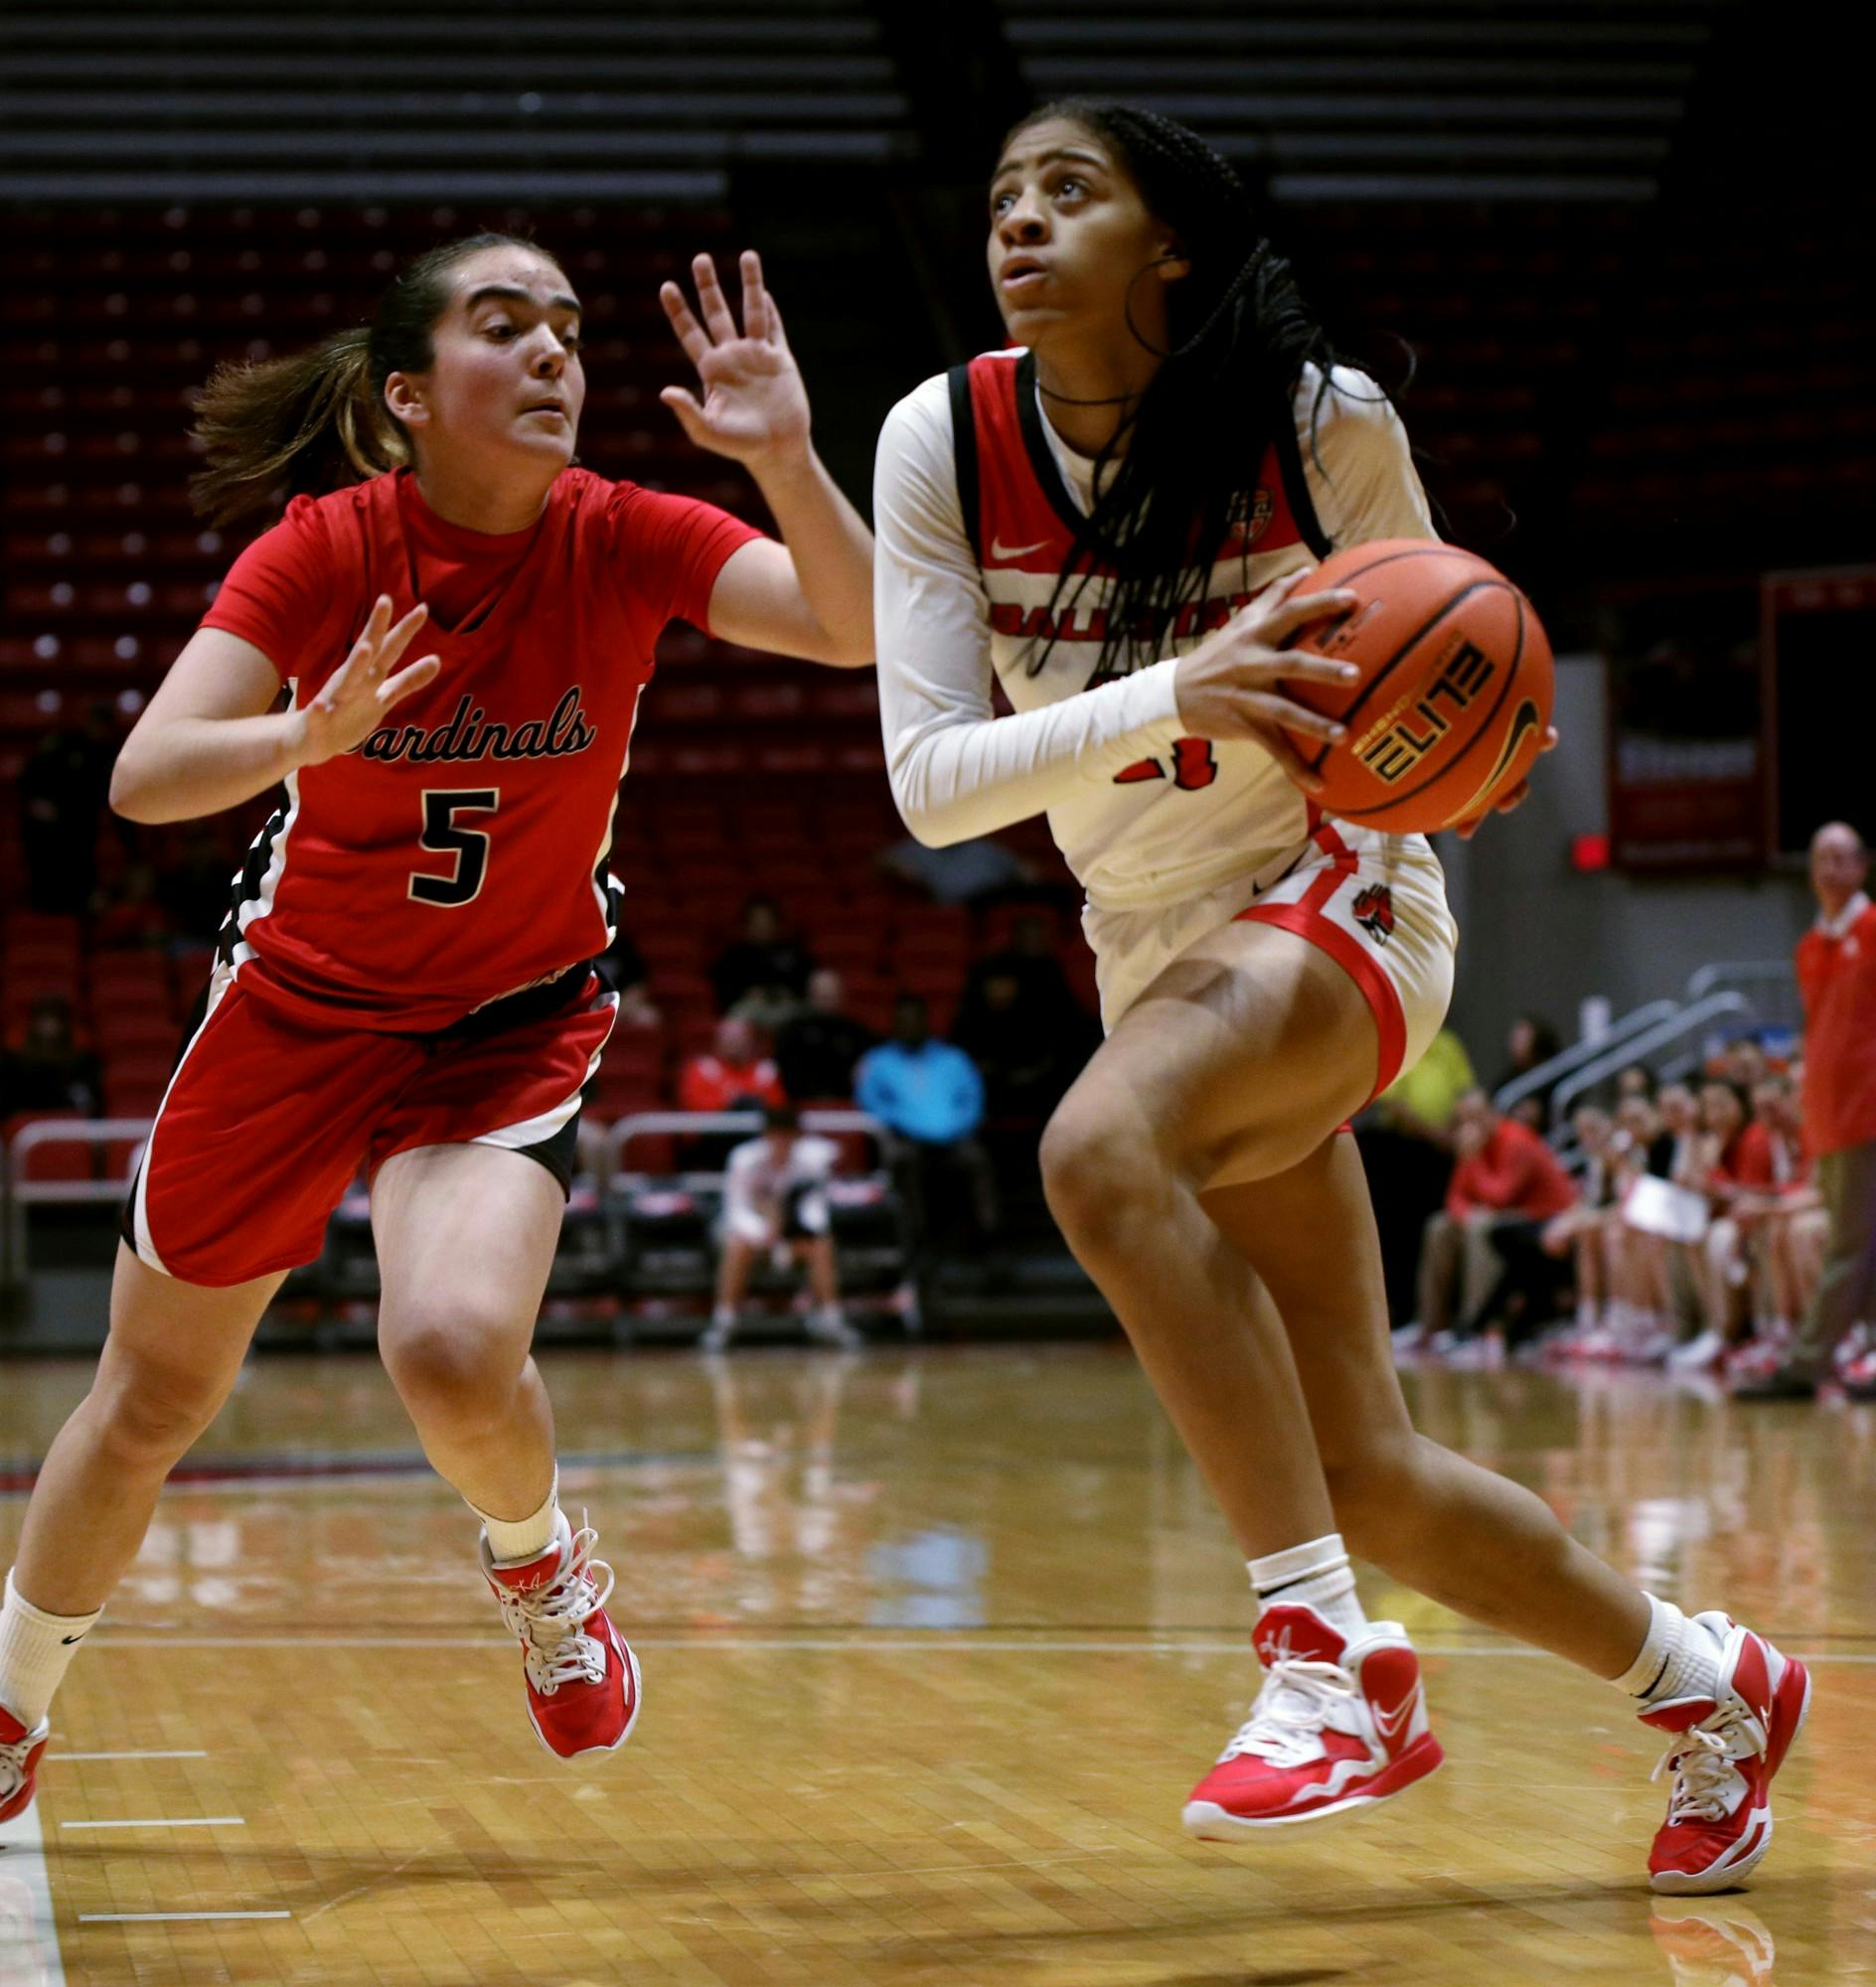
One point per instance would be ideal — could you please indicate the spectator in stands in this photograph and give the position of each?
(733, 1075)
(775, 1201)
(48, 1070)
(1837, 977)
(1581, 1232)
(1505, 1186)
(1770, 1205)
(198, 887)
(758, 956)
(1638, 1080)
(62, 791)
(818, 1051)
(1531, 1040)
(1406, 1146)
(929, 1094)
(1021, 1024)
(1744, 1063)
(962, 873)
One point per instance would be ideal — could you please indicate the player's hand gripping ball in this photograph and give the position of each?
(1453, 703)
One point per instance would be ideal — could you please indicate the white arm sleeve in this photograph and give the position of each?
(1360, 470)
(957, 769)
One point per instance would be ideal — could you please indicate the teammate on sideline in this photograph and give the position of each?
(404, 980)
(1111, 521)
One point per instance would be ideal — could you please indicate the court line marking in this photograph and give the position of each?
(943, 1643)
(23, 1855)
(164, 1821)
(169, 1917)
(50, 1757)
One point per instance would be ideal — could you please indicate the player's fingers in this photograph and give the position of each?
(1298, 610)
(755, 301)
(1293, 716)
(1299, 666)
(1550, 739)
(399, 639)
(690, 335)
(405, 680)
(688, 410)
(376, 622)
(1516, 798)
(709, 296)
(1295, 767)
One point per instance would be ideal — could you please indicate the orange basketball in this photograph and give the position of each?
(1455, 692)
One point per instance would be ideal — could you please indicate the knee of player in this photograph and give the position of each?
(154, 1414)
(1095, 1167)
(448, 1358)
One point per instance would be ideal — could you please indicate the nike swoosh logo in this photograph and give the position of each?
(1390, 1725)
(67, 1641)
(1523, 723)
(997, 550)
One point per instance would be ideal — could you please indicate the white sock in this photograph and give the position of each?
(1678, 1658)
(35, 1650)
(1586, 1314)
(523, 1538)
(1316, 1575)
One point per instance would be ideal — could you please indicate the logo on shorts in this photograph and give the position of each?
(1374, 912)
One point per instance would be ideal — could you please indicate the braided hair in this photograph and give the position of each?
(1240, 337)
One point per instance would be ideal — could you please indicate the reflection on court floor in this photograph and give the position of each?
(934, 1644)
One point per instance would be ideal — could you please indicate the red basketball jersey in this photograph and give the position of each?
(460, 853)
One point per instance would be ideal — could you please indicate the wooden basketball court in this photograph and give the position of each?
(934, 1645)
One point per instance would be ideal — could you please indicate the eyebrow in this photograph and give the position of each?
(514, 293)
(1050, 157)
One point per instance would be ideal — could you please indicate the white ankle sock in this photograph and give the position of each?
(523, 1538)
(1677, 1658)
(1316, 1575)
(35, 1650)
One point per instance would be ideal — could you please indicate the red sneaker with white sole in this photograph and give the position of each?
(1726, 1750)
(1338, 1726)
(19, 1761)
(583, 1679)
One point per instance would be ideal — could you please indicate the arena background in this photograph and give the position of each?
(1620, 249)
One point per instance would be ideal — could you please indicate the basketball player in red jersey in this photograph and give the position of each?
(1110, 521)
(404, 980)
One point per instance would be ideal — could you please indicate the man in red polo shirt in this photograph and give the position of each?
(1507, 1185)
(1836, 976)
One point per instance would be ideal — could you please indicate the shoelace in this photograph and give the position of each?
(550, 1620)
(1700, 1761)
(1286, 1721)
(13, 1762)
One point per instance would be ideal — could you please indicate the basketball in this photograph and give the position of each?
(1454, 693)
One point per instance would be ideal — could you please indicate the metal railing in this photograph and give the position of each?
(1622, 1030)
(1770, 983)
(21, 1194)
(1675, 1029)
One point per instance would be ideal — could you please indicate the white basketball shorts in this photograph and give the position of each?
(1375, 903)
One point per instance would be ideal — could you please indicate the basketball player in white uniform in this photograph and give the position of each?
(1111, 524)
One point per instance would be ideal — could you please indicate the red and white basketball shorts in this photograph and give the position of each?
(1375, 903)
(267, 1122)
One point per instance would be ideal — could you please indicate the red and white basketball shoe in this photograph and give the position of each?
(1338, 1726)
(19, 1761)
(582, 1680)
(1725, 1751)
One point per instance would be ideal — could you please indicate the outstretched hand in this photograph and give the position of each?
(754, 405)
(353, 700)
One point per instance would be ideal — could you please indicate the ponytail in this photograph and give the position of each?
(309, 422)
(317, 419)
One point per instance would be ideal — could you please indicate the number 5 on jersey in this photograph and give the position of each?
(468, 847)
